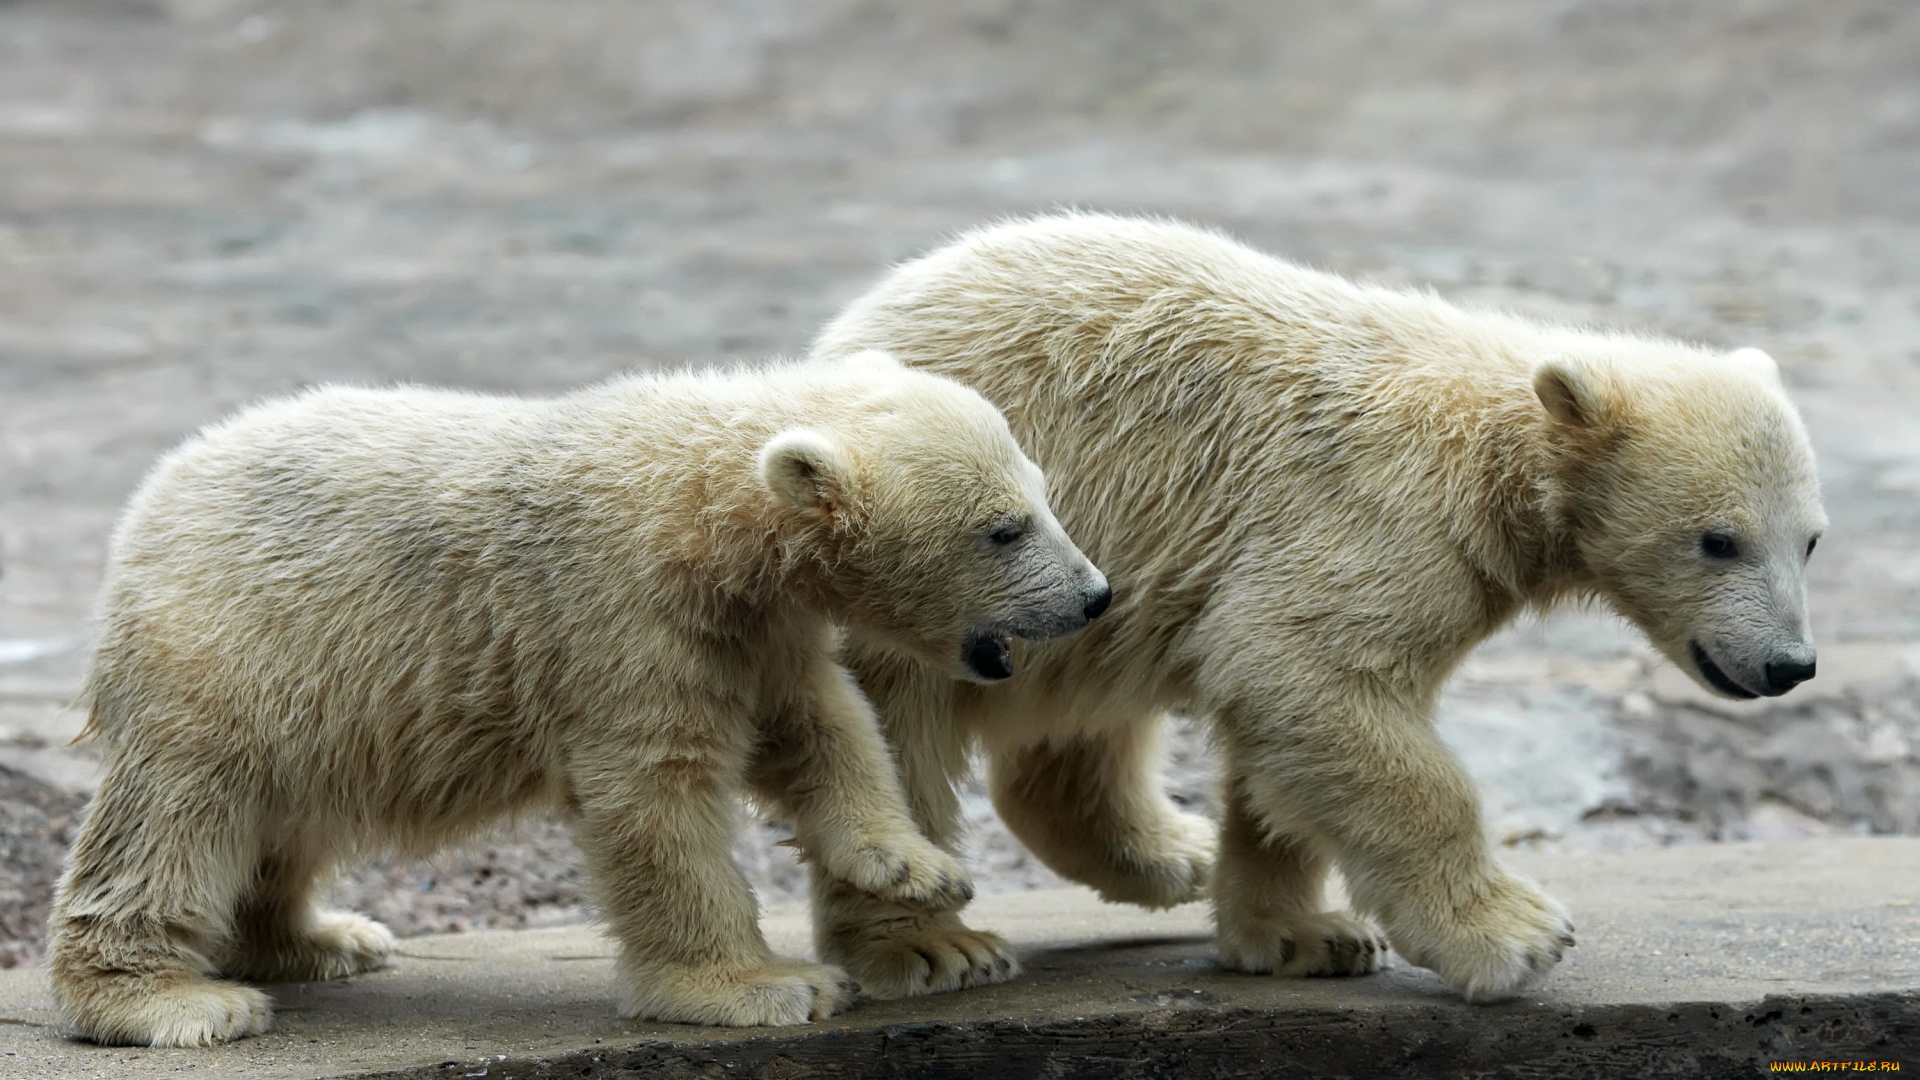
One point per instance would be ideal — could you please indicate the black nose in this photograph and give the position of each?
(1098, 602)
(1785, 675)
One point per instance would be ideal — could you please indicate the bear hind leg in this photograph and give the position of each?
(153, 1000)
(1092, 808)
(1267, 894)
(143, 909)
(281, 935)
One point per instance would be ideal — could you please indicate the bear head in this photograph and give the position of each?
(929, 526)
(1688, 486)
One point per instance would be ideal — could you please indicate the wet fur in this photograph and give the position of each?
(360, 621)
(1313, 498)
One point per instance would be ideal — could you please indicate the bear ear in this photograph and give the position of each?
(1756, 360)
(805, 469)
(1571, 395)
(874, 360)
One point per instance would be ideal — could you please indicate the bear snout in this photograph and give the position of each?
(1778, 674)
(1716, 676)
(1098, 601)
(988, 656)
(1786, 672)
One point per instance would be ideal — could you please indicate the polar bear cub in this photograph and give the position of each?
(1315, 498)
(362, 620)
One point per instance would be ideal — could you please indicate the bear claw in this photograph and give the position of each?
(1327, 943)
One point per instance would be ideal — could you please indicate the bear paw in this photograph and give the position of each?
(906, 955)
(1318, 943)
(192, 1012)
(910, 869)
(337, 944)
(775, 994)
(1173, 865)
(1495, 946)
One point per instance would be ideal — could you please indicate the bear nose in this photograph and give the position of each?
(1784, 675)
(1098, 602)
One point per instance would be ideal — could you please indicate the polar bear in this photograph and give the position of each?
(363, 619)
(1313, 499)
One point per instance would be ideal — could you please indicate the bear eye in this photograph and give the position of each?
(1006, 534)
(1719, 545)
(1810, 544)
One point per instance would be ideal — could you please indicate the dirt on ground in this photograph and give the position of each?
(205, 202)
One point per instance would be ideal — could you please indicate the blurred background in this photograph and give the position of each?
(205, 202)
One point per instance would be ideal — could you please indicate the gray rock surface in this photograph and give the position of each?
(1702, 962)
(203, 202)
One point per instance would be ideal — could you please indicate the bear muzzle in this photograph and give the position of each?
(1716, 677)
(1098, 600)
(1776, 676)
(988, 656)
(1785, 673)
(987, 651)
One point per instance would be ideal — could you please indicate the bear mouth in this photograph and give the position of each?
(988, 656)
(1715, 677)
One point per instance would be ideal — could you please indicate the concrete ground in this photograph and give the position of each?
(203, 202)
(1705, 962)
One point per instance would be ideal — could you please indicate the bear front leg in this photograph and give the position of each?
(1268, 889)
(656, 831)
(1093, 809)
(1370, 776)
(823, 762)
(901, 948)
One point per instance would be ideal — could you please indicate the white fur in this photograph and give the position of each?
(367, 620)
(1314, 498)
(805, 469)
